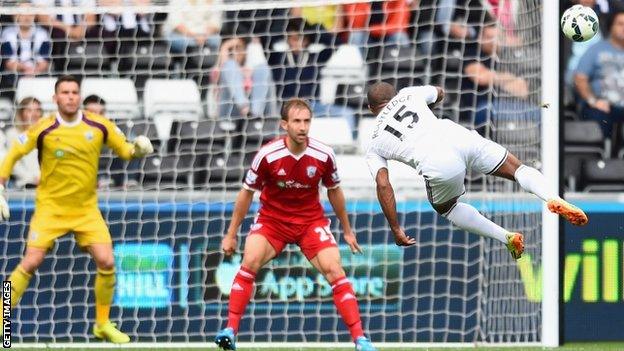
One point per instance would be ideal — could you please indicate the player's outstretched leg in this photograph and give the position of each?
(258, 251)
(327, 261)
(104, 291)
(533, 181)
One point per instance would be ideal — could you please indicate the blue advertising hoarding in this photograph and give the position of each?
(173, 281)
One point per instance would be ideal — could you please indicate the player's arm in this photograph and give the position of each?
(138, 148)
(24, 144)
(385, 194)
(483, 76)
(241, 207)
(337, 201)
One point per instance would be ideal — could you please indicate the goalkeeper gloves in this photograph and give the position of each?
(142, 146)
(4, 205)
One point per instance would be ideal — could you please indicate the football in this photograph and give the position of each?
(579, 23)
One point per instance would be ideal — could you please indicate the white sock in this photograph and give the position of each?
(533, 181)
(468, 218)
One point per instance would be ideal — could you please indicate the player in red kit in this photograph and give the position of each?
(288, 172)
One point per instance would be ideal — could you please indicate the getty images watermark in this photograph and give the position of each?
(6, 314)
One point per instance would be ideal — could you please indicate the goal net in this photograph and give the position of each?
(205, 80)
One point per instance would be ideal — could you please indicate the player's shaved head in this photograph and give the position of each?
(380, 94)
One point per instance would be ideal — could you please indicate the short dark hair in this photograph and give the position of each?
(294, 103)
(615, 10)
(380, 93)
(93, 99)
(65, 78)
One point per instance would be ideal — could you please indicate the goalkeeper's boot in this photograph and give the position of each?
(225, 339)
(568, 211)
(363, 344)
(109, 332)
(515, 245)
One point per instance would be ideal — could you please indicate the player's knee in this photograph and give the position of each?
(105, 263)
(31, 262)
(444, 208)
(252, 262)
(334, 272)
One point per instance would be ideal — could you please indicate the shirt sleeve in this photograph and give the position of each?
(117, 141)
(256, 174)
(427, 92)
(375, 163)
(331, 178)
(24, 144)
(586, 62)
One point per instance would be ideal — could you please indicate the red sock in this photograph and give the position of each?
(242, 288)
(347, 305)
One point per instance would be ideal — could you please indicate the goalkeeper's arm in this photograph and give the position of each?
(15, 153)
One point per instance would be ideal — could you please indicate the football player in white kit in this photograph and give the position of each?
(441, 151)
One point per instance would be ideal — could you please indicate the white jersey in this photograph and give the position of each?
(439, 149)
(404, 128)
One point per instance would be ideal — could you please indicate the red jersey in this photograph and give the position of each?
(289, 183)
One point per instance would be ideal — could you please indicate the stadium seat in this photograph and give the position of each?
(352, 95)
(261, 129)
(620, 141)
(134, 128)
(168, 100)
(166, 171)
(41, 88)
(334, 132)
(6, 110)
(603, 175)
(401, 58)
(201, 137)
(585, 137)
(344, 67)
(572, 165)
(120, 95)
(84, 58)
(223, 170)
(142, 60)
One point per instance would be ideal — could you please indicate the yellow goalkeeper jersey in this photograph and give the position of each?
(68, 157)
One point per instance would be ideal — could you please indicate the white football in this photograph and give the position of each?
(579, 23)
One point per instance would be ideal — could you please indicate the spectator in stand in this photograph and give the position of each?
(244, 87)
(296, 73)
(599, 77)
(195, 27)
(122, 31)
(485, 90)
(95, 104)
(25, 49)
(356, 17)
(389, 21)
(324, 21)
(67, 28)
(601, 7)
(26, 171)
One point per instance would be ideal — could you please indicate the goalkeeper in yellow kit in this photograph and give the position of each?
(69, 144)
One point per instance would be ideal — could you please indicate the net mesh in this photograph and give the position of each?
(208, 109)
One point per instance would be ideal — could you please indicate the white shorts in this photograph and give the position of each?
(455, 150)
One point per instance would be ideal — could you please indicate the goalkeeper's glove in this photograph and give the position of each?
(142, 146)
(4, 205)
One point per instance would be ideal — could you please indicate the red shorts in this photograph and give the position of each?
(311, 237)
